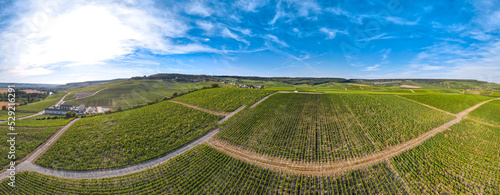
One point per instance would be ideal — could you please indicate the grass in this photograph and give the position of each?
(39, 106)
(204, 170)
(450, 103)
(224, 99)
(134, 92)
(128, 137)
(489, 112)
(27, 139)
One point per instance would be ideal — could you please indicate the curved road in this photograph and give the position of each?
(286, 165)
(27, 164)
(239, 153)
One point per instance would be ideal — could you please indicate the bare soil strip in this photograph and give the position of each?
(43, 111)
(427, 105)
(81, 95)
(261, 100)
(200, 108)
(28, 162)
(332, 168)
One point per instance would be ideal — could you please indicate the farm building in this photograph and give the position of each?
(63, 109)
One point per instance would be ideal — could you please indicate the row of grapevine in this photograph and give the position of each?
(224, 99)
(27, 139)
(204, 170)
(129, 137)
(453, 103)
(329, 127)
(464, 160)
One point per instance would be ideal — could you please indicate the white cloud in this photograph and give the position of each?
(81, 32)
(331, 33)
(198, 7)
(276, 40)
(227, 33)
(372, 68)
(401, 21)
(251, 5)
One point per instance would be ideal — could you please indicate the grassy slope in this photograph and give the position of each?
(464, 160)
(129, 137)
(204, 170)
(489, 112)
(224, 99)
(134, 92)
(39, 106)
(450, 103)
(27, 139)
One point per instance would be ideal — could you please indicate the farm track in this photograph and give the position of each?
(200, 108)
(239, 153)
(303, 168)
(428, 106)
(27, 163)
(77, 98)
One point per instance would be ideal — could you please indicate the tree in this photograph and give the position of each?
(215, 85)
(70, 114)
(175, 94)
(4, 107)
(119, 109)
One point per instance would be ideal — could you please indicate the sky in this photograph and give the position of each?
(57, 41)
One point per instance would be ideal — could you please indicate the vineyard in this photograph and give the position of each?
(224, 99)
(489, 112)
(125, 138)
(328, 127)
(27, 139)
(464, 160)
(204, 170)
(41, 121)
(134, 92)
(450, 103)
(39, 106)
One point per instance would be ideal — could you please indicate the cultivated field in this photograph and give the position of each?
(41, 121)
(39, 106)
(329, 127)
(489, 113)
(133, 92)
(204, 170)
(464, 160)
(27, 139)
(125, 138)
(224, 99)
(450, 103)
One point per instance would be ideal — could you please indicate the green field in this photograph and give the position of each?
(489, 112)
(464, 160)
(39, 106)
(40, 121)
(125, 138)
(204, 170)
(328, 127)
(27, 139)
(133, 92)
(224, 99)
(450, 103)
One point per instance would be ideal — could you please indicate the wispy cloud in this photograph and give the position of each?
(401, 21)
(331, 33)
(372, 68)
(198, 7)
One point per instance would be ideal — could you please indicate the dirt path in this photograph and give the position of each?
(200, 108)
(78, 97)
(43, 111)
(261, 100)
(27, 163)
(331, 168)
(428, 106)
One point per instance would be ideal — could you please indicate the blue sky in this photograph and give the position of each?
(69, 41)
